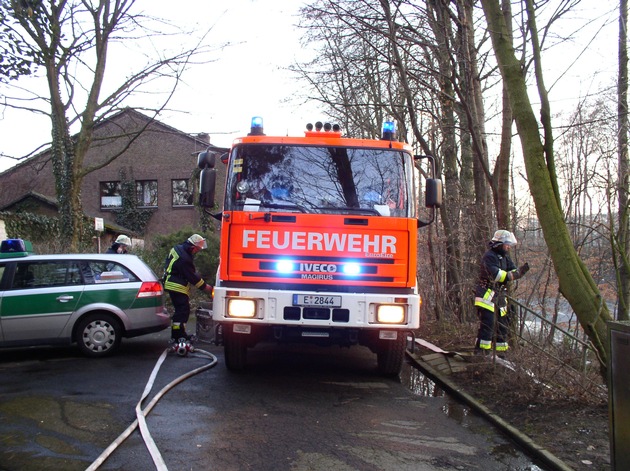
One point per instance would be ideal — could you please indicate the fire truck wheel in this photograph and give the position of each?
(390, 355)
(235, 351)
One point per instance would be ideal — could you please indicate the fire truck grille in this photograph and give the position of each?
(292, 313)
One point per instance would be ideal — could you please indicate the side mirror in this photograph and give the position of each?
(433, 193)
(433, 190)
(206, 159)
(207, 178)
(207, 187)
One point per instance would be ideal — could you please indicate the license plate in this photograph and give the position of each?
(316, 300)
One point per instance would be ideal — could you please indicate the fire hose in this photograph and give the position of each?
(182, 349)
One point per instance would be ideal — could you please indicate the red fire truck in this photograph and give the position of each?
(318, 242)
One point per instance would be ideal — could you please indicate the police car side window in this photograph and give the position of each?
(2, 270)
(73, 276)
(24, 276)
(46, 274)
(109, 272)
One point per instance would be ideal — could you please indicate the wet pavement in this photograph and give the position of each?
(294, 408)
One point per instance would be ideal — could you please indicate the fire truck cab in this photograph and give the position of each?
(318, 242)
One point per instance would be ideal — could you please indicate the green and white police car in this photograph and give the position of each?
(92, 300)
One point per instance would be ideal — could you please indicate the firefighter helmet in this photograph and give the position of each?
(505, 237)
(198, 241)
(124, 240)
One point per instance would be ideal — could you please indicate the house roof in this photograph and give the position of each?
(33, 196)
(52, 203)
(197, 139)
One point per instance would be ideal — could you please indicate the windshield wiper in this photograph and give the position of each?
(348, 209)
(272, 205)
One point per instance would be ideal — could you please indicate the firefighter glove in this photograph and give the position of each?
(523, 269)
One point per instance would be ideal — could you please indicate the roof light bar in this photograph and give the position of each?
(325, 127)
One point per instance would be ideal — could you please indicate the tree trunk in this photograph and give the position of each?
(440, 23)
(576, 283)
(623, 252)
(501, 172)
(481, 221)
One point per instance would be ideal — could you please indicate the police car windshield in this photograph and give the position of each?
(263, 177)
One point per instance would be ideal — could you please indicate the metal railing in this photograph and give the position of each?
(548, 337)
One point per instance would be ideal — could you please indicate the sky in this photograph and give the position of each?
(249, 77)
(245, 79)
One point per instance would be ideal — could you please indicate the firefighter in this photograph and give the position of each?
(121, 245)
(496, 271)
(179, 277)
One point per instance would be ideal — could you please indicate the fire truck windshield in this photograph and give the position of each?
(310, 179)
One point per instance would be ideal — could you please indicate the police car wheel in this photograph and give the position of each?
(98, 335)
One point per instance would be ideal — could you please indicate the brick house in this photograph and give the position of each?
(161, 160)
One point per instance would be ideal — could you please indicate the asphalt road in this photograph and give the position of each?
(295, 409)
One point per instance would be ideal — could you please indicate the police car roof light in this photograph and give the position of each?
(15, 248)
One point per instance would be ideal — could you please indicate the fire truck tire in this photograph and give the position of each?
(391, 355)
(235, 350)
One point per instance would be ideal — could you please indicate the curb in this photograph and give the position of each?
(532, 448)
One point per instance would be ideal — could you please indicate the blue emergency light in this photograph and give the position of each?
(15, 248)
(351, 269)
(389, 131)
(285, 266)
(256, 127)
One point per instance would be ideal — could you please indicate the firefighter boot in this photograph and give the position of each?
(178, 331)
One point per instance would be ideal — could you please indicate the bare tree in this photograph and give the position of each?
(423, 60)
(501, 175)
(15, 60)
(576, 283)
(71, 40)
(622, 254)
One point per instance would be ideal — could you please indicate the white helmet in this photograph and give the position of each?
(505, 237)
(197, 240)
(124, 240)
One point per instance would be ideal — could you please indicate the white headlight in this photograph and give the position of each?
(390, 313)
(241, 308)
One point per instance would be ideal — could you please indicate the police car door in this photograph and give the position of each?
(40, 299)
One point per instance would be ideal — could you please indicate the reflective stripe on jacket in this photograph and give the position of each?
(485, 302)
(180, 270)
(493, 275)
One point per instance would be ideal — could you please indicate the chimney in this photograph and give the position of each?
(204, 137)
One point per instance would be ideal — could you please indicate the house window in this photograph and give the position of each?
(147, 191)
(111, 197)
(182, 193)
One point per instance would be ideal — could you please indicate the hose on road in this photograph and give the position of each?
(141, 414)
